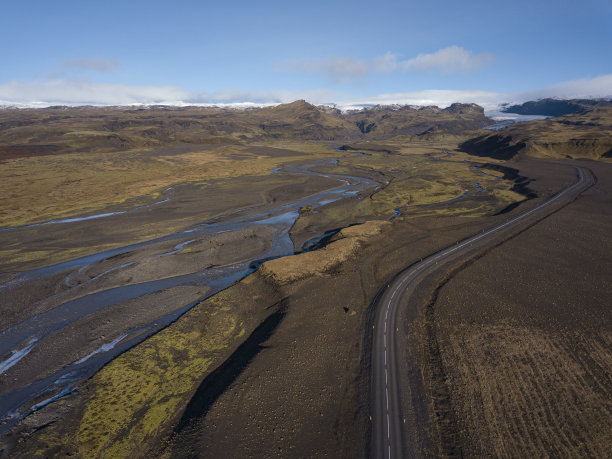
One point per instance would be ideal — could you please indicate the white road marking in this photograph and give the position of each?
(388, 429)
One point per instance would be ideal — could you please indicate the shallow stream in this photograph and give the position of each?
(19, 340)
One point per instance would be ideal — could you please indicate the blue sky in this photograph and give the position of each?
(123, 52)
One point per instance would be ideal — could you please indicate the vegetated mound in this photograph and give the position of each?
(106, 129)
(587, 134)
(390, 121)
(345, 244)
(550, 107)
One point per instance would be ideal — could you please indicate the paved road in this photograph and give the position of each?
(392, 436)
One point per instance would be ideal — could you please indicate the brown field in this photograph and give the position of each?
(525, 336)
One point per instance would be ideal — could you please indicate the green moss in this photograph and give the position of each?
(141, 391)
(138, 394)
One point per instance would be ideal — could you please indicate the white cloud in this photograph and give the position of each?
(339, 68)
(448, 60)
(97, 63)
(386, 63)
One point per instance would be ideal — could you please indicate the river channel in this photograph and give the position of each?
(21, 339)
(83, 297)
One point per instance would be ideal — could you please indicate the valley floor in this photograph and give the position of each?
(275, 368)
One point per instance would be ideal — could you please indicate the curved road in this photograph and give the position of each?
(392, 436)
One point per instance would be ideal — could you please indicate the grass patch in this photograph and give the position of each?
(11, 258)
(285, 270)
(416, 180)
(43, 188)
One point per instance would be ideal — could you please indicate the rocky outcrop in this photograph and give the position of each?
(465, 109)
(493, 146)
(365, 127)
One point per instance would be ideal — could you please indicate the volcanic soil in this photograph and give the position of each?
(522, 338)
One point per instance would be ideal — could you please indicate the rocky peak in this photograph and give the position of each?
(458, 108)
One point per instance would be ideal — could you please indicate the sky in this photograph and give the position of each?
(354, 52)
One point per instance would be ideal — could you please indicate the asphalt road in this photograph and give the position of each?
(393, 419)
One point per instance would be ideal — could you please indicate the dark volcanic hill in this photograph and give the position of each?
(551, 107)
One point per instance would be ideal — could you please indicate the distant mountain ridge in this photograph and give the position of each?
(73, 129)
(390, 121)
(586, 133)
(553, 107)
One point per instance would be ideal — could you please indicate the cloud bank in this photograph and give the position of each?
(74, 92)
(86, 92)
(584, 88)
(439, 97)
